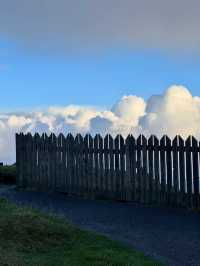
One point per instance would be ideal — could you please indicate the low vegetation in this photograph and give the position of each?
(8, 174)
(29, 237)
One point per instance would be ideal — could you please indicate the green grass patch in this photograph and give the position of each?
(29, 237)
(8, 174)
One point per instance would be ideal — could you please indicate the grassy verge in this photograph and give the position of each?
(8, 174)
(29, 237)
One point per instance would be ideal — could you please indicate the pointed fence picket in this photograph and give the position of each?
(150, 171)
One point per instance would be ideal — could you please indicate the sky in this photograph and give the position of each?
(29, 80)
(119, 67)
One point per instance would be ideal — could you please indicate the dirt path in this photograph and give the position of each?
(171, 236)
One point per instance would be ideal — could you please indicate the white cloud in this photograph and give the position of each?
(17, 121)
(130, 108)
(176, 111)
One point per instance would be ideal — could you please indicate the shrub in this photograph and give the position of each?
(8, 174)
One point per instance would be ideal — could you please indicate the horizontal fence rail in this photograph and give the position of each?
(151, 171)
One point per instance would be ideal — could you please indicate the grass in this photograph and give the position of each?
(29, 237)
(8, 174)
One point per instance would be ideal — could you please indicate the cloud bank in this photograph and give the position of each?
(95, 24)
(174, 112)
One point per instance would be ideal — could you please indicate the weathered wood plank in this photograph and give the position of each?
(42, 163)
(46, 161)
(128, 172)
(23, 163)
(189, 184)
(139, 182)
(182, 164)
(101, 167)
(144, 191)
(26, 161)
(169, 170)
(133, 166)
(76, 164)
(20, 161)
(163, 170)
(157, 171)
(112, 170)
(151, 169)
(86, 168)
(81, 164)
(117, 169)
(27, 176)
(68, 173)
(71, 164)
(50, 168)
(96, 166)
(195, 171)
(122, 148)
(62, 162)
(106, 161)
(77, 152)
(35, 163)
(176, 197)
(90, 166)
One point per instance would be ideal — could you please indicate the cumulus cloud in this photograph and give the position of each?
(87, 24)
(174, 112)
(129, 108)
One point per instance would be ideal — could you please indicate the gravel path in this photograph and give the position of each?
(169, 235)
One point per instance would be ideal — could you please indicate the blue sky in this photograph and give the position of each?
(31, 80)
(74, 55)
(94, 52)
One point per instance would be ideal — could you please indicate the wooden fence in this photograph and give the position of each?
(151, 171)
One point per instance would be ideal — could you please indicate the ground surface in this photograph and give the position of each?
(172, 236)
(31, 237)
